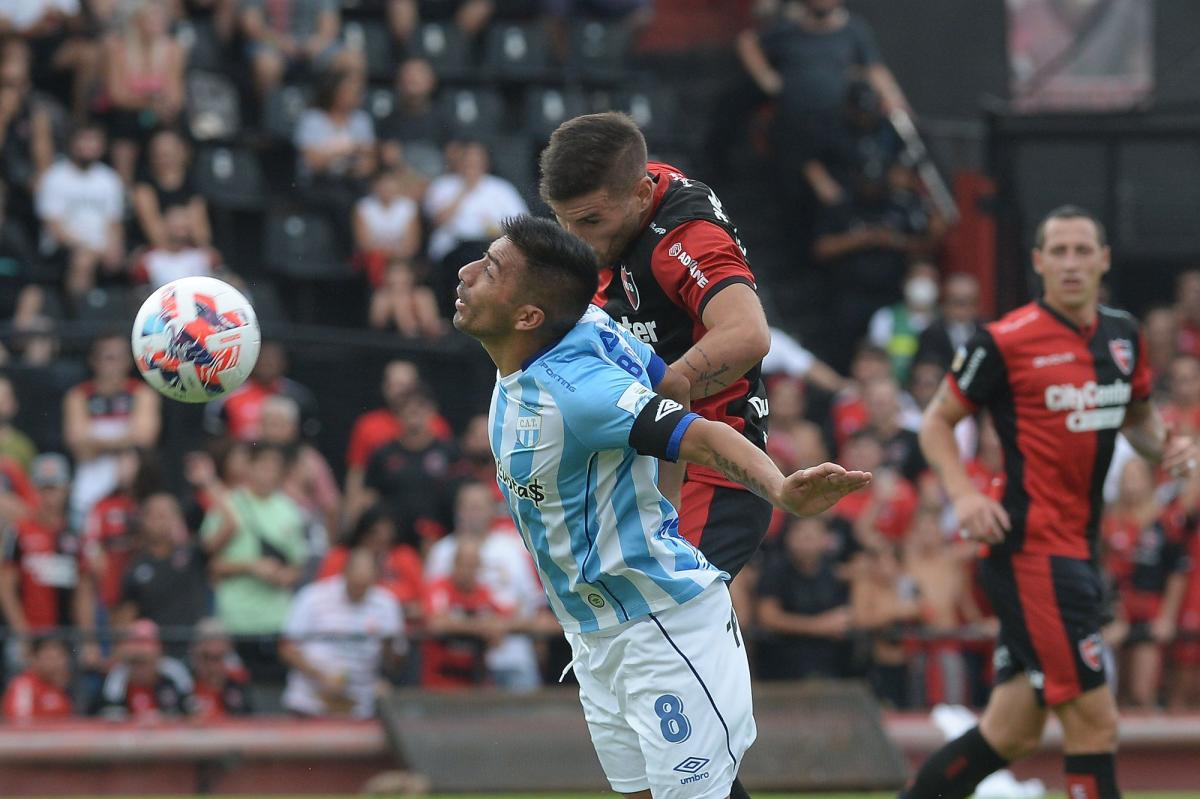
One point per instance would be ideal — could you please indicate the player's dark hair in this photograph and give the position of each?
(591, 152)
(1069, 212)
(560, 270)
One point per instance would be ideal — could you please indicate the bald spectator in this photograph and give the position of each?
(338, 633)
(144, 686)
(958, 321)
(221, 681)
(41, 692)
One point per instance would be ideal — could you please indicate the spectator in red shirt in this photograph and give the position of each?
(849, 410)
(882, 514)
(399, 563)
(40, 692)
(44, 582)
(107, 532)
(1187, 306)
(1160, 330)
(463, 620)
(375, 428)
(239, 415)
(221, 681)
(144, 685)
(17, 496)
(1182, 410)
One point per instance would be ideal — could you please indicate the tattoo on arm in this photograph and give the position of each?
(708, 374)
(739, 474)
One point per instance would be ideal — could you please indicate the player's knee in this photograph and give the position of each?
(1012, 741)
(1090, 722)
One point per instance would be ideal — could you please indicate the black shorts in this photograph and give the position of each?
(727, 524)
(1051, 610)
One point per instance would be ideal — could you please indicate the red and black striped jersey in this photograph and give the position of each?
(688, 252)
(1058, 395)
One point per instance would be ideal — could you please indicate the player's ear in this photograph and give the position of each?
(1037, 260)
(1106, 258)
(644, 192)
(528, 317)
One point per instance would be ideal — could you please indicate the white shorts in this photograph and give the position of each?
(667, 699)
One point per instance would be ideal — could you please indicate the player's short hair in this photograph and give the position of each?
(591, 152)
(1069, 212)
(561, 272)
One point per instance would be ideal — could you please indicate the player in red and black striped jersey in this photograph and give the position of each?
(1060, 378)
(674, 273)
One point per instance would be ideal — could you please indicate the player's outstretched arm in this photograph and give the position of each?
(804, 493)
(1144, 430)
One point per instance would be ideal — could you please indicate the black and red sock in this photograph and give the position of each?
(1092, 776)
(953, 771)
(737, 790)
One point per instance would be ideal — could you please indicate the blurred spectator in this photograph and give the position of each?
(788, 357)
(464, 620)
(397, 563)
(20, 296)
(387, 236)
(166, 182)
(881, 513)
(44, 580)
(924, 378)
(413, 133)
(179, 256)
(256, 541)
(108, 528)
(958, 321)
(1146, 557)
(28, 120)
(65, 63)
(81, 204)
(413, 474)
(286, 36)
(895, 328)
(336, 636)
(41, 691)
(795, 442)
(478, 462)
(221, 682)
(883, 601)
(885, 420)
(375, 428)
(167, 578)
(1187, 310)
(239, 414)
(465, 207)
(210, 472)
(803, 606)
(1182, 409)
(507, 571)
(143, 82)
(632, 15)
(1160, 331)
(308, 480)
(18, 498)
(144, 685)
(1185, 687)
(105, 415)
(940, 572)
(849, 411)
(335, 141)
(14, 444)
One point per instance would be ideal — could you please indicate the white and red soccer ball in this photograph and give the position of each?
(195, 339)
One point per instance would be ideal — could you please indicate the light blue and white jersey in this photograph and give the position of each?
(604, 540)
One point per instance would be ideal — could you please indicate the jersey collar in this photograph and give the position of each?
(1085, 332)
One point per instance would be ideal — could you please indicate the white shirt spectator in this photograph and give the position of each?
(317, 129)
(478, 216)
(85, 202)
(160, 266)
(787, 356)
(388, 225)
(356, 634)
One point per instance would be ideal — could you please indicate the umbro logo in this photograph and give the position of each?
(691, 765)
(665, 408)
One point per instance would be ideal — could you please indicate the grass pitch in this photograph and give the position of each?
(1130, 795)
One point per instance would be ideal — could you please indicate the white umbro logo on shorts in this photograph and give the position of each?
(665, 407)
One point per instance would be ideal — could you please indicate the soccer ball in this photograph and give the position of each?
(195, 339)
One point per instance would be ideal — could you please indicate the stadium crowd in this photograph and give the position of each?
(271, 584)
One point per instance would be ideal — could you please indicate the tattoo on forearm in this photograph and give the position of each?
(739, 474)
(706, 377)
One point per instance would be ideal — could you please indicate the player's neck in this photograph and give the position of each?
(1082, 316)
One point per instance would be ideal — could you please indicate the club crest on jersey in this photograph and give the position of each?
(529, 431)
(631, 289)
(1121, 350)
(1090, 650)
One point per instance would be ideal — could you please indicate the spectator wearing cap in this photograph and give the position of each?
(44, 582)
(144, 685)
(40, 692)
(166, 580)
(338, 633)
(221, 681)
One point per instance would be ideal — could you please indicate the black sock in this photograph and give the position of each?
(1092, 776)
(953, 771)
(737, 790)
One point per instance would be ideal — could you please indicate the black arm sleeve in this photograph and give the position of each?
(658, 429)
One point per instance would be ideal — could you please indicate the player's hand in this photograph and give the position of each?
(808, 492)
(1180, 456)
(981, 518)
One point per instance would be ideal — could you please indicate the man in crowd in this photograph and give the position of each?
(222, 683)
(40, 692)
(144, 685)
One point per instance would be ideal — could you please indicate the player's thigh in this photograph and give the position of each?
(1089, 722)
(615, 741)
(687, 694)
(1014, 719)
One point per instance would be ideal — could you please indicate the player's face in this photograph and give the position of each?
(486, 292)
(606, 220)
(1071, 262)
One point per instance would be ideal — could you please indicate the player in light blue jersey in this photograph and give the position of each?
(577, 428)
